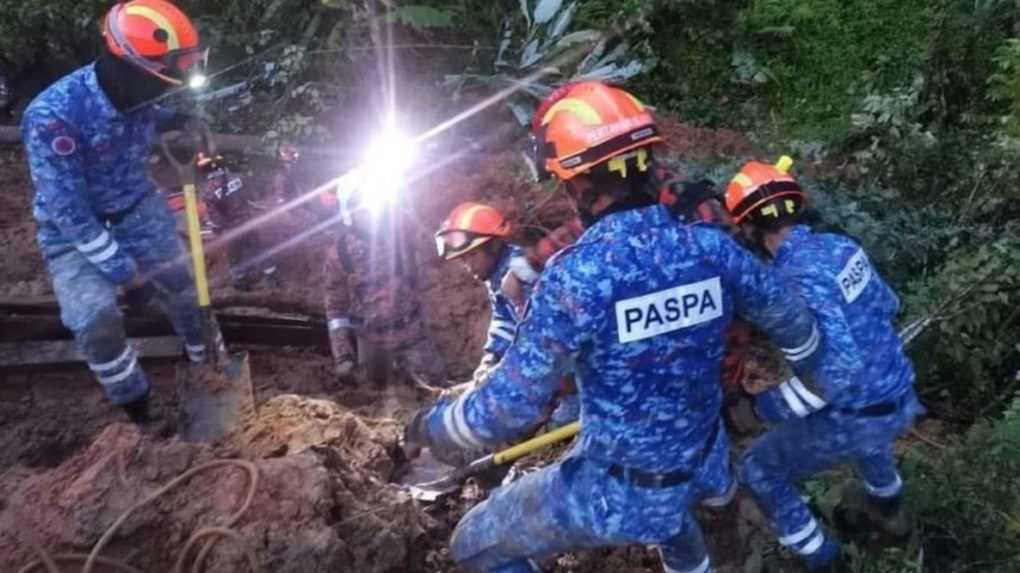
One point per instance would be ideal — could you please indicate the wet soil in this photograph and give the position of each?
(326, 451)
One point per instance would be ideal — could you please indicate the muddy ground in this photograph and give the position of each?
(325, 452)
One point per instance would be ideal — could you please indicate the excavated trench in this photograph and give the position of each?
(325, 453)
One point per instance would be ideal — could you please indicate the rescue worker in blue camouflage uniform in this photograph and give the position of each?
(637, 309)
(862, 397)
(477, 235)
(101, 224)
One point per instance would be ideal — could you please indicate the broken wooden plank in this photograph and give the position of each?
(56, 352)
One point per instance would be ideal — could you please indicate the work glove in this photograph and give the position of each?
(417, 436)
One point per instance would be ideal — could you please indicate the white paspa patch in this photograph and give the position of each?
(668, 310)
(855, 276)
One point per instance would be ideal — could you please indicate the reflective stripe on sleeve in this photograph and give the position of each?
(457, 428)
(804, 350)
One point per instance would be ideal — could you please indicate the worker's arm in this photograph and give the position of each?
(519, 393)
(502, 327)
(761, 298)
(841, 359)
(55, 159)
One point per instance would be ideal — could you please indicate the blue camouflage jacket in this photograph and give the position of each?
(504, 316)
(88, 163)
(638, 305)
(861, 359)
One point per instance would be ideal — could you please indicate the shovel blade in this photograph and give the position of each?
(214, 398)
(427, 478)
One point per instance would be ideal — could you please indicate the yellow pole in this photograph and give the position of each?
(195, 240)
(525, 448)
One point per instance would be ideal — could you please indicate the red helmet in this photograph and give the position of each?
(155, 36)
(761, 190)
(586, 124)
(468, 226)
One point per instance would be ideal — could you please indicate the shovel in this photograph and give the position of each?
(431, 490)
(216, 394)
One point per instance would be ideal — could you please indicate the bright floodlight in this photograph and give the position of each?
(384, 167)
(198, 81)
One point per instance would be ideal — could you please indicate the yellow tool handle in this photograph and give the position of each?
(525, 448)
(784, 164)
(195, 240)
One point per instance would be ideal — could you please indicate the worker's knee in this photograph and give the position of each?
(172, 280)
(470, 538)
(100, 333)
(753, 468)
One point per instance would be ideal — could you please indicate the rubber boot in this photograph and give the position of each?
(871, 520)
(828, 559)
(138, 411)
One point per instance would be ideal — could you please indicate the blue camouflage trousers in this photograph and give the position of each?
(88, 299)
(803, 447)
(575, 504)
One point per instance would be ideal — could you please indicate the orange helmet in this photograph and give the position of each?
(756, 192)
(155, 36)
(590, 123)
(469, 225)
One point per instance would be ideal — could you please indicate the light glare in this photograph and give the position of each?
(198, 81)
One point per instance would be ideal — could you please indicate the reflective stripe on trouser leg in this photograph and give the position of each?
(88, 308)
(886, 491)
(111, 359)
(686, 553)
(794, 449)
(878, 470)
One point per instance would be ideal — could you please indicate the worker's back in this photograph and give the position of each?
(643, 304)
(865, 363)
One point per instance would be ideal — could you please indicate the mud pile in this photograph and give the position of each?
(322, 500)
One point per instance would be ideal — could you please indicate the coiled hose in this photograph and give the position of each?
(209, 534)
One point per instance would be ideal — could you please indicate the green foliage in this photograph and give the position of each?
(817, 53)
(977, 337)
(540, 49)
(693, 43)
(968, 502)
(54, 29)
(1005, 82)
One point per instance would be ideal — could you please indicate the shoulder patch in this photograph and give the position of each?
(668, 310)
(855, 276)
(63, 145)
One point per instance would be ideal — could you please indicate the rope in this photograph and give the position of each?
(93, 558)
